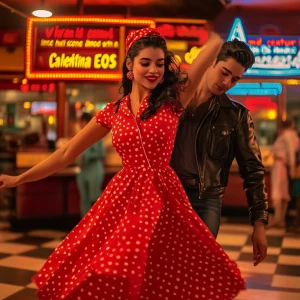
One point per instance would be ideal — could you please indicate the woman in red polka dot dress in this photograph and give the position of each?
(141, 240)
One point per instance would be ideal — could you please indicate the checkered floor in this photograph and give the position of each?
(278, 278)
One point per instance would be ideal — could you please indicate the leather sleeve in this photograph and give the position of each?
(251, 169)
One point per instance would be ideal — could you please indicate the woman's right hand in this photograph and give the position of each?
(8, 181)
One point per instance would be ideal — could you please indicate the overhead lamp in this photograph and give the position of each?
(42, 13)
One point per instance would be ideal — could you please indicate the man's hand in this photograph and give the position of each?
(259, 242)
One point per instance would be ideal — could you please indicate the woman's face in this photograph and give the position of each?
(148, 67)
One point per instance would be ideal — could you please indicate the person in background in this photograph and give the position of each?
(284, 154)
(214, 131)
(295, 190)
(90, 178)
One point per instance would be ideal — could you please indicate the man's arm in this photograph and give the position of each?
(252, 172)
(251, 169)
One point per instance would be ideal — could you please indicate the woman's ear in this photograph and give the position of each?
(129, 64)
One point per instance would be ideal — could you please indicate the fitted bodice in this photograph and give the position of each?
(141, 143)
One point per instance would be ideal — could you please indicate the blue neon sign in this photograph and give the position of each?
(274, 55)
(256, 89)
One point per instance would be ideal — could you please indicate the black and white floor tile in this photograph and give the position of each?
(278, 278)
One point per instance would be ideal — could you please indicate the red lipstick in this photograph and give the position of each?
(151, 78)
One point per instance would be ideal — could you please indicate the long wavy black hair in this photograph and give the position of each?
(167, 91)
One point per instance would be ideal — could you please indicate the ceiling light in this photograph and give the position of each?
(42, 13)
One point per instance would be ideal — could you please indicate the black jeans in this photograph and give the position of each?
(209, 210)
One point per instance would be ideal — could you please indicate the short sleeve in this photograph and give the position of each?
(104, 116)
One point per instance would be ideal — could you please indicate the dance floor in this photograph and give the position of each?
(277, 278)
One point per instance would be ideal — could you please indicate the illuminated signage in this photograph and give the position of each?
(77, 47)
(44, 108)
(184, 37)
(193, 32)
(262, 105)
(10, 38)
(37, 87)
(256, 89)
(86, 48)
(274, 55)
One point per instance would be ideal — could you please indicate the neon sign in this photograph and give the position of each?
(25, 87)
(10, 38)
(77, 47)
(184, 37)
(274, 55)
(63, 47)
(101, 61)
(256, 89)
(183, 31)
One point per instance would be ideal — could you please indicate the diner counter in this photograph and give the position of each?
(57, 196)
(55, 200)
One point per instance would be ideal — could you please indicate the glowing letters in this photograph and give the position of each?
(78, 33)
(274, 56)
(73, 61)
(105, 61)
(77, 61)
(79, 48)
(256, 89)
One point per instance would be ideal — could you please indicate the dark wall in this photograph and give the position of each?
(258, 21)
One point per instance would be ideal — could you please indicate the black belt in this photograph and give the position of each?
(189, 181)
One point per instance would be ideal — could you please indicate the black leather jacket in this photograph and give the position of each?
(227, 132)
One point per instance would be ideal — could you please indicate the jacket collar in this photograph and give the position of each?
(224, 101)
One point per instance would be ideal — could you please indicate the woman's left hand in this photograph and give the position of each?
(8, 181)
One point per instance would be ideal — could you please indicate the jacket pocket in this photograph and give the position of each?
(220, 137)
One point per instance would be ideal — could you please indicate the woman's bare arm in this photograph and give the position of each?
(61, 158)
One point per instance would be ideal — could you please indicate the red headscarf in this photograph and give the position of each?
(139, 34)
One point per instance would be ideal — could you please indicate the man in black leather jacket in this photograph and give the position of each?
(214, 131)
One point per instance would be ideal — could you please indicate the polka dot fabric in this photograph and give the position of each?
(139, 34)
(141, 239)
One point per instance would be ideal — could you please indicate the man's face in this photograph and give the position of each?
(224, 75)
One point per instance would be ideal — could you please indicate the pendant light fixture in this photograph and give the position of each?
(42, 13)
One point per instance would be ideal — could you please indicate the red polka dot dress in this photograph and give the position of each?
(141, 239)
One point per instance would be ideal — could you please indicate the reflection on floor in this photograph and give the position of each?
(278, 278)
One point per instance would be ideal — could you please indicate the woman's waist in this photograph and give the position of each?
(145, 167)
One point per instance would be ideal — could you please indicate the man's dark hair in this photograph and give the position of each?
(237, 50)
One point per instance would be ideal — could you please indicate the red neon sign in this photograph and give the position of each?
(184, 31)
(258, 103)
(57, 32)
(184, 40)
(65, 47)
(76, 47)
